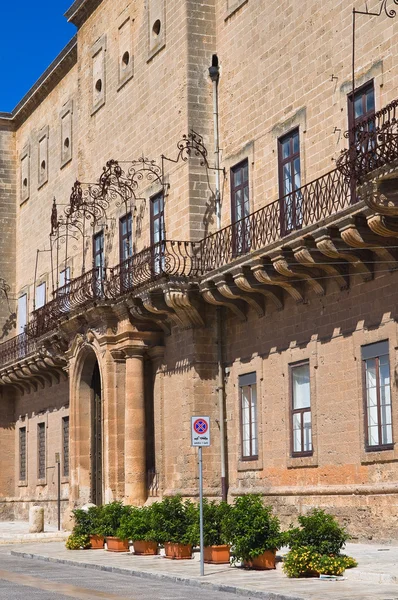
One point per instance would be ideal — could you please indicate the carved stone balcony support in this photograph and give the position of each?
(333, 249)
(226, 286)
(291, 270)
(360, 237)
(306, 253)
(214, 297)
(264, 273)
(245, 280)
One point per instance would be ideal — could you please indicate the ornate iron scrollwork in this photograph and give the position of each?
(191, 145)
(121, 183)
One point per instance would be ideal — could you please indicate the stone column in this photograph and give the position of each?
(134, 430)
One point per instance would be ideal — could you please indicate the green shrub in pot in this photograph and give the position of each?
(139, 525)
(175, 520)
(251, 528)
(110, 518)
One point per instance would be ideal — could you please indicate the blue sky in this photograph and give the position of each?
(32, 34)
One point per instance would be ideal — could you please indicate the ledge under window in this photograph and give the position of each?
(302, 460)
(233, 6)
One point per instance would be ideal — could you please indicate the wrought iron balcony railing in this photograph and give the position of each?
(167, 258)
(312, 202)
(373, 143)
(87, 288)
(17, 347)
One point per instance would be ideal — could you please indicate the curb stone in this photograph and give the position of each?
(219, 587)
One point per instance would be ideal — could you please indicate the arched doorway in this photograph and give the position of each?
(96, 437)
(89, 429)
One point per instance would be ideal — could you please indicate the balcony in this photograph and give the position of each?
(329, 229)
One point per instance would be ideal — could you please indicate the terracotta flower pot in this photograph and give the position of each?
(216, 555)
(145, 548)
(114, 544)
(263, 562)
(178, 551)
(97, 542)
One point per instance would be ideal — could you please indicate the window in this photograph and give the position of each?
(125, 227)
(98, 74)
(364, 106)
(364, 137)
(377, 387)
(65, 446)
(43, 156)
(22, 454)
(301, 409)
(99, 262)
(25, 173)
(248, 412)
(125, 52)
(240, 207)
(41, 451)
(290, 182)
(66, 133)
(64, 277)
(157, 231)
(40, 296)
(22, 313)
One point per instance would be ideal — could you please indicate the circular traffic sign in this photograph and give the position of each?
(200, 426)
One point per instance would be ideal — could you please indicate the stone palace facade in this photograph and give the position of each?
(199, 216)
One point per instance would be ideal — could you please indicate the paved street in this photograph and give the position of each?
(50, 572)
(21, 578)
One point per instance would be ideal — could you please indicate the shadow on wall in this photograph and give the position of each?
(9, 325)
(339, 313)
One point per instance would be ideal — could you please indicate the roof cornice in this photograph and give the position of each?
(80, 10)
(65, 60)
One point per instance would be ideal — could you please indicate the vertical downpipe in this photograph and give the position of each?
(214, 72)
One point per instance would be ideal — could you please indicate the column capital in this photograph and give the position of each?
(118, 355)
(134, 352)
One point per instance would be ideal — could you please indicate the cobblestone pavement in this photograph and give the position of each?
(375, 578)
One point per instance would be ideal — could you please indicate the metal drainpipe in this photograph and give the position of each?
(214, 72)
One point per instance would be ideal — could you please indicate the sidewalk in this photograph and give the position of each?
(17, 532)
(376, 576)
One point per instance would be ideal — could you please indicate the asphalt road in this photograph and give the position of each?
(25, 579)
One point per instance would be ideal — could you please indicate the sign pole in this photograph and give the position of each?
(202, 563)
(200, 437)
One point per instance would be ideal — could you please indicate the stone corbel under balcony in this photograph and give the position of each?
(245, 280)
(37, 371)
(285, 265)
(306, 253)
(356, 234)
(265, 273)
(175, 302)
(211, 295)
(332, 247)
(227, 288)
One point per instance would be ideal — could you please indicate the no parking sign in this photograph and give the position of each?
(200, 431)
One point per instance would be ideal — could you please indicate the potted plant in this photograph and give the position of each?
(315, 547)
(111, 516)
(176, 523)
(140, 527)
(216, 547)
(77, 541)
(253, 532)
(86, 523)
